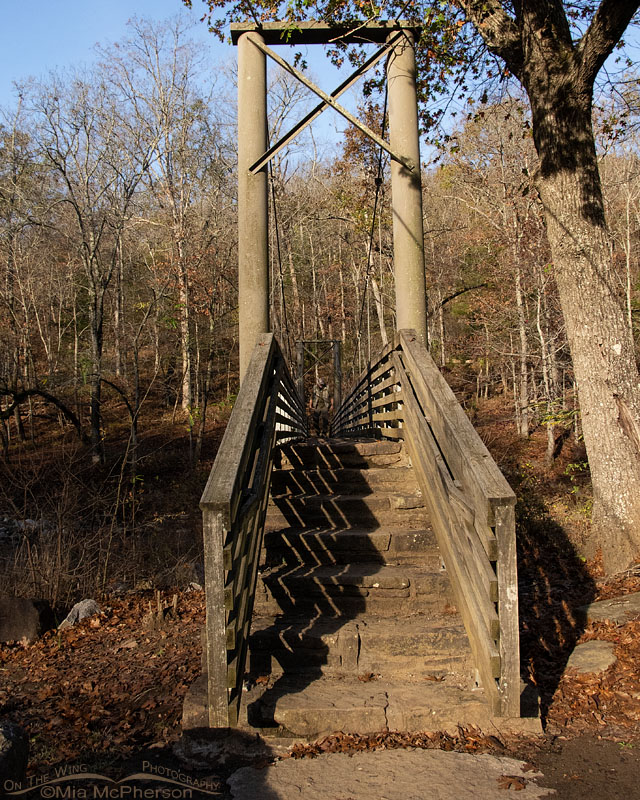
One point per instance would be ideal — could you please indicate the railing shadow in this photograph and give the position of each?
(313, 631)
(553, 584)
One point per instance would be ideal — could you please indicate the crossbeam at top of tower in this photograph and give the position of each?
(318, 32)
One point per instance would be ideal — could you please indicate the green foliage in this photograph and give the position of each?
(553, 413)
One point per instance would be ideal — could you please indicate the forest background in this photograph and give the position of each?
(118, 301)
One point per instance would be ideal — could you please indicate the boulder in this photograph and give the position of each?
(81, 610)
(592, 657)
(24, 620)
(14, 752)
(617, 609)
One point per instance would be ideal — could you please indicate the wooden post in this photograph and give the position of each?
(406, 190)
(253, 221)
(216, 651)
(507, 572)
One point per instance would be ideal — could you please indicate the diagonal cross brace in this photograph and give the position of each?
(328, 100)
(315, 113)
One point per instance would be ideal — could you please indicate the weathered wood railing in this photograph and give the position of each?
(470, 503)
(268, 410)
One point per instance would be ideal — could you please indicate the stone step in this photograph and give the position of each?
(329, 546)
(353, 589)
(346, 511)
(420, 646)
(335, 454)
(344, 480)
(313, 709)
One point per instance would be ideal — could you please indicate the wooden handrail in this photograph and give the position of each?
(471, 505)
(267, 411)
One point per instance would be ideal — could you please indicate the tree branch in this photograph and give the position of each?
(499, 31)
(546, 17)
(606, 29)
(20, 397)
(453, 296)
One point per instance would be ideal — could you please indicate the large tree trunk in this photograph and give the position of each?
(601, 346)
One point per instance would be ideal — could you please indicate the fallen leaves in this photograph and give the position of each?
(95, 689)
(465, 740)
(593, 702)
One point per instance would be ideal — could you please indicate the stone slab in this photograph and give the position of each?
(617, 609)
(328, 706)
(435, 707)
(389, 775)
(406, 501)
(594, 656)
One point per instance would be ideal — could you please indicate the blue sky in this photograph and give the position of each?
(37, 36)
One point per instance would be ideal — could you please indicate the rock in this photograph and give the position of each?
(389, 775)
(406, 501)
(189, 573)
(195, 708)
(592, 656)
(119, 588)
(81, 610)
(207, 747)
(617, 609)
(25, 620)
(14, 752)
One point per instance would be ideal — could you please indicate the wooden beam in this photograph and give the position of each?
(319, 32)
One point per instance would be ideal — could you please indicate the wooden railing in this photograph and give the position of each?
(470, 503)
(372, 406)
(267, 411)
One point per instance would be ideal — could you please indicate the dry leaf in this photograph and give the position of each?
(515, 782)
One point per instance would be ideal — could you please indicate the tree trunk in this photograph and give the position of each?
(118, 322)
(377, 295)
(185, 343)
(601, 346)
(523, 427)
(95, 382)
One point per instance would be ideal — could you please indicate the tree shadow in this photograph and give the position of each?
(553, 585)
(198, 766)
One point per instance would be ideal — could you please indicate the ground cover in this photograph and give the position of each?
(108, 693)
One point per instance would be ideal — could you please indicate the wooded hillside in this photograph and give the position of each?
(119, 291)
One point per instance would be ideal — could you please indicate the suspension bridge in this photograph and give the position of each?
(366, 581)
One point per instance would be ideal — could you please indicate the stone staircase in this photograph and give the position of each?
(355, 628)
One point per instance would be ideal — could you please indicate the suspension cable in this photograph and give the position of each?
(285, 319)
(378, 182)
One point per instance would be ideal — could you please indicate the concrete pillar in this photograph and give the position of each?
(253, 219)
(406, 190)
